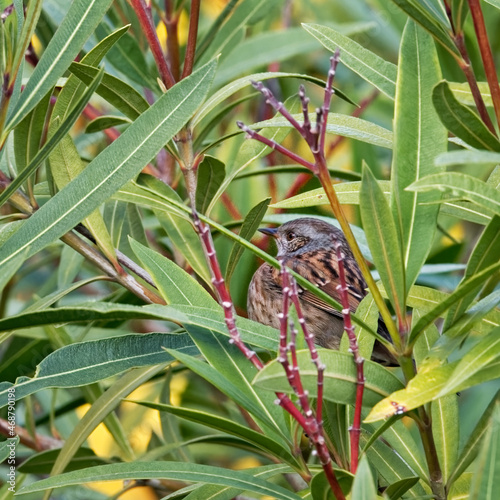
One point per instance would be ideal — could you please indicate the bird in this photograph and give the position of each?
(308, 247)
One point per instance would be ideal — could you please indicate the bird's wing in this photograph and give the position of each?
(323, 273)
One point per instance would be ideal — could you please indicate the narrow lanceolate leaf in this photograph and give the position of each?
(485, 480)
(248, 228)
(464, 157)
(381, 233)
(347, 193)
(445, 429)
(79, 23)
(458, 186)
(211, 173)
(419, 137)
(340, 378)
(88, 362)
(368, 65)
(338, 124)
(265, 443)
(175, 285)
(471, 448)
(116, 165)
(363, 486)
(166, 470)
(462, 121)
(118, 93)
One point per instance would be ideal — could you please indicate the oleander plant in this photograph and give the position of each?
(142, 145)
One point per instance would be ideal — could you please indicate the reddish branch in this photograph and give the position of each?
(355, 430)
(192, 35)
(466, 67)
(486, 54)
(307, 422)
(143, 13)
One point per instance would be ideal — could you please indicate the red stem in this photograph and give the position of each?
(192, 35)
(486, 54)
(314, 422)
(275, 146)
(144, 15)
(355, 430)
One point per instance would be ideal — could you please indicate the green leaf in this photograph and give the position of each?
(185, 239)
(77, 26)
(464, 95)
(340, 378)
(65, 165)
(477, 437)
(165, 470)
(211, 173)
(368, 312)
(205, 317)
(374, 69)
(84, 363)
(461, 120)
(116, 165)
(464, 157)
(57, 135)
(484, 353)
(28, 134)
(42, 463)
(175, 285)
(215, 492)
(262, 441)
(419, 137)
(104, 122)
(381, 233)
(399, 488)
(344, 125)
(419, 12)
(347, 192)
(363, 486)
(445, 430)
(248, 228)
(485, 254)
(460, 186)
(115, 91)
(487, 470)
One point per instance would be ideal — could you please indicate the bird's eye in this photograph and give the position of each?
(290, 235)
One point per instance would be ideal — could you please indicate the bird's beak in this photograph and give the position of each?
(269, 231)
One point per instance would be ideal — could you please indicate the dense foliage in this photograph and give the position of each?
(122, 168)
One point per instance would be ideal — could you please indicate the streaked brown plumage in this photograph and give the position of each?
(307, 247)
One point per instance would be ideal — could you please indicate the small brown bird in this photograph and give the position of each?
(307, 247)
